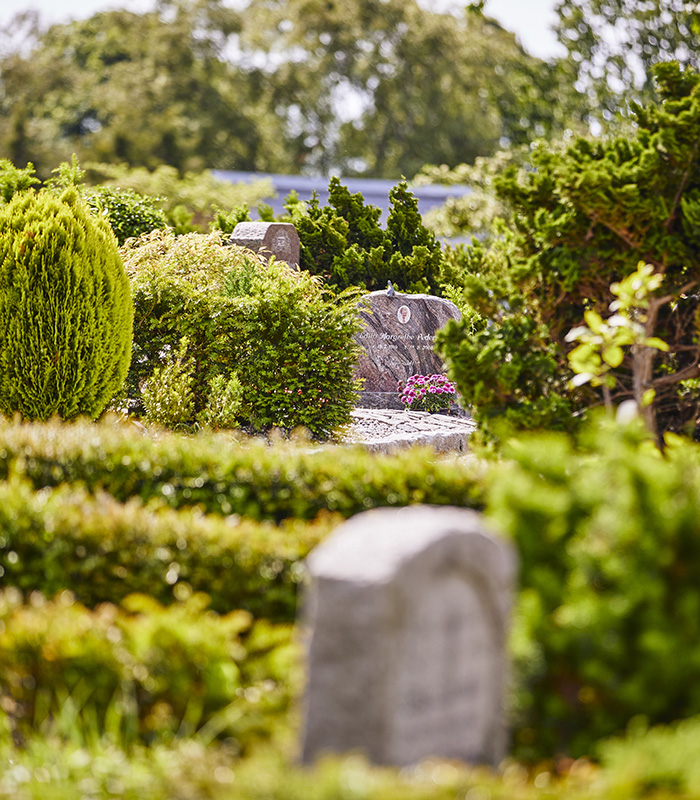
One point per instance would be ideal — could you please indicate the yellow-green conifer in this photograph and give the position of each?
(65, 308)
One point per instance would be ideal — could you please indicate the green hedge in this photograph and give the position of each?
(142, 672)
(659, 765)
(225, 475)
(608, 619)
(103, 551)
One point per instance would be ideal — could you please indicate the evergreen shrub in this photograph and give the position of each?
(608, 615)
(102, 551)
(14, 179)
(582, 218)
(225, 475)
(141, 672)
(344, 244)
(65, 308)
(128, 213)
(290, 343)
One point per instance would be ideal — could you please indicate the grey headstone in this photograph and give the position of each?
(397, 342)
(277, 238)
(406, 620)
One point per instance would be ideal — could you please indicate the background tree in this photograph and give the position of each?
(363, 86)
(427, 86)
(146, 89)
(612, 46)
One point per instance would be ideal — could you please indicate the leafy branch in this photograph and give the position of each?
(602, 342)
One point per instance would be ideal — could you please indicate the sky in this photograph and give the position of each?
(530, 20)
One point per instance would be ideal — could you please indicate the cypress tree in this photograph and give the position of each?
(65, 308)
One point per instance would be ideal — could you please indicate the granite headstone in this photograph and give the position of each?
(397, 341)
(269, 238)
(405, 620)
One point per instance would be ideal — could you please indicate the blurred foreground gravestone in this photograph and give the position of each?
(279, 239)
(397, 342)
(406, 620)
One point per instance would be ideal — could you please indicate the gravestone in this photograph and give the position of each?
(406, 619)
(279, 239)
(397, 342)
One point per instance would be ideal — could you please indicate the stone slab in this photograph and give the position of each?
(388, 431)
(406, 619)
(397, 341)
(269, 238)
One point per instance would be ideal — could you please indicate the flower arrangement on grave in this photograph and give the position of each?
(427, 393)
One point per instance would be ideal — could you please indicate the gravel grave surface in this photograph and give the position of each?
(387, 430)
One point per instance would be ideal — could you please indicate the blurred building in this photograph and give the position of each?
(375, 192)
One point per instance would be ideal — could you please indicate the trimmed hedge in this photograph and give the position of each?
(141, 673)
(225, 475)
(608, 618)
(103, 550)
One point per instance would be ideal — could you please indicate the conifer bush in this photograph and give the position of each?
(344, 243)
(582, 219)
(65, 308)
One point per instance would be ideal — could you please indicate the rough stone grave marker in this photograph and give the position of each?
(269, 238)
(397, 342)
(406, 619)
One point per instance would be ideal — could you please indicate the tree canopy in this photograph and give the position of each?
(145, 89)
(612, 46)
(376, 87)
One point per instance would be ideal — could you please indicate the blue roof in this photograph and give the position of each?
(374, 191)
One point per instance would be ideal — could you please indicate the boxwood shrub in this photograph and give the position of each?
(103, 550)
(222, 474)
(290, 342)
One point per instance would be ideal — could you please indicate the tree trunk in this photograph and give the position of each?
(642, 372)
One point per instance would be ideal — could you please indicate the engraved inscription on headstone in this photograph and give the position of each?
(407, 615)
(279, 239)
(397, 341)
